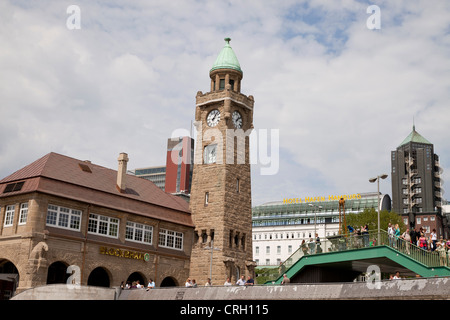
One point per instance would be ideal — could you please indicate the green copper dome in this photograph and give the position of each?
(226, 59)
(414, 136)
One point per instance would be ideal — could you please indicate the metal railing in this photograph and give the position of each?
(353, 241)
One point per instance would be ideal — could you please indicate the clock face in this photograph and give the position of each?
(210, 153)
(213, 118)
(237, 119)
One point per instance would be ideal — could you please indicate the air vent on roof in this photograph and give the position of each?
(16, 186)
(85, 167)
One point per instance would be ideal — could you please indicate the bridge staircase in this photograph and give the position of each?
(343, 257)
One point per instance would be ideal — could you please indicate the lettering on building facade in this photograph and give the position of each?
(321, 198)
(125, 253)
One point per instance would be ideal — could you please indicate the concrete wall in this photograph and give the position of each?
(67, 292)
(425, 289)
(436, 288)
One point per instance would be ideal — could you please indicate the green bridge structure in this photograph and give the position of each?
(344, 257)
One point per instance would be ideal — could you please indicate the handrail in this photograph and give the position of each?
(355, 241)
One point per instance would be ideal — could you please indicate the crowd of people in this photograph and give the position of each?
(429, 243)
(358, 238)
(191, 283)
(311, 247)
(137, 285)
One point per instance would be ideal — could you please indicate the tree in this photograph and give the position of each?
(370, 217)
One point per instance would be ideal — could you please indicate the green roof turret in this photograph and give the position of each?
(414, 136)
(226, 59)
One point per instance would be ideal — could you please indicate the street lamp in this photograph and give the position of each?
(372, 180)
(315, 217)
(212, 250)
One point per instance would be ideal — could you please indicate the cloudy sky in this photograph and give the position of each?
(340, 95)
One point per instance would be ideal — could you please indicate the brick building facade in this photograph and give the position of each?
(64, 219)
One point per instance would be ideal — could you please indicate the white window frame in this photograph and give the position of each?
(134, 230)
(171, 239)
(95, 225)
(23, 214)
(9, 215)
(60, 214)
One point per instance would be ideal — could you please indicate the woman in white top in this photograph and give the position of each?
(433, 239)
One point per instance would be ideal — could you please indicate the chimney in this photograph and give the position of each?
(122, 172)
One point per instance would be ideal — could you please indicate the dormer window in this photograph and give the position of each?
(17, 186)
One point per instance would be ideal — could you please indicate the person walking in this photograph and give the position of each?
(433, 239)
(442, 254)
(423, 242)
(390, 231)
(365, 234)
(304, 248)
(312, 246)
(318, 247)
(407, 237)
(397, 235)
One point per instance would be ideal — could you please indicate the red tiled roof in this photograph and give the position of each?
(61, 175)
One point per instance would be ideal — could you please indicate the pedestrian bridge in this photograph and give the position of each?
(342, 258)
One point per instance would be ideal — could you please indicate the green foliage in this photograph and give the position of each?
(265, 274)
(370, 217)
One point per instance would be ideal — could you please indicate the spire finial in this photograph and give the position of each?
(414, 125)
(227, 40)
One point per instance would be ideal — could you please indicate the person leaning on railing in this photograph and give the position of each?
(407, 237)
(442, 254)
(423, 242)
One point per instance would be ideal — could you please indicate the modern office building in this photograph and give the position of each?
(157, 175)
(59, 214)
(417, 185)
(176, 176)
(280, 227)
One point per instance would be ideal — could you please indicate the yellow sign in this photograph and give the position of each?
(321, 199)
(125, 253)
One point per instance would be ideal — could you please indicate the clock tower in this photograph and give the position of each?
(221, 188)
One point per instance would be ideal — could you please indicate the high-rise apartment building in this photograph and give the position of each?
(180, 153)
(416, 183)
